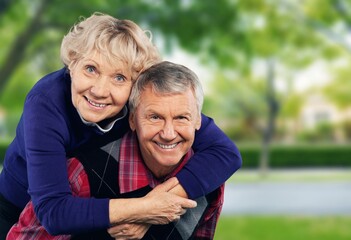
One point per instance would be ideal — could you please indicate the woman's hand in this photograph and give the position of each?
(158, 207)
(165, 207)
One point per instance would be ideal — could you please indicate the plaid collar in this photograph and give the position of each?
(133, 173)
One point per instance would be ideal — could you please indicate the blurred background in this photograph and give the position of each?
(276, 75)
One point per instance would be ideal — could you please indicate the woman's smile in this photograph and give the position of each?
(97, 93)
(95, 104)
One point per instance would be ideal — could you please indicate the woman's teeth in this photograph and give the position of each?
(96, 104)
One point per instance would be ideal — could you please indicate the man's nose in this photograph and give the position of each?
(168, 132)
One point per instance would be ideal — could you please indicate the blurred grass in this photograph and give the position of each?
(293, 175)
(283, 227)
(252, 227)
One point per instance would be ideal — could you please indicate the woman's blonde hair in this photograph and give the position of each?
(118, 40)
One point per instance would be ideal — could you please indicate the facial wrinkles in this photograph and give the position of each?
(169, 127)
(108, 71)
(94, 83)
(165, 128)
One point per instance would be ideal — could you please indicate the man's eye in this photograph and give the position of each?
(182, 118)
(154, 117)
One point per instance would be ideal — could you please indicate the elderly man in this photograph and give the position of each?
(165, 106)
(165, 111)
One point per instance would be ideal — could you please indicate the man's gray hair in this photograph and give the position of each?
(167, 78)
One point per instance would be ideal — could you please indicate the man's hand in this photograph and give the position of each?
(129, 231)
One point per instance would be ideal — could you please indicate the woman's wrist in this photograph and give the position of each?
(125, 210)
(179, 190)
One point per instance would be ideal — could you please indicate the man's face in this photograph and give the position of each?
(165, 126)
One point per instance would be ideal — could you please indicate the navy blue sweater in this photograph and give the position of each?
(50, 130)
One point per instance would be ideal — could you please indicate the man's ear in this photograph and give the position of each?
(198, 122)
(131, 121)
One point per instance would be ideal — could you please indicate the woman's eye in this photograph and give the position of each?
(90, 69)
(120, 78)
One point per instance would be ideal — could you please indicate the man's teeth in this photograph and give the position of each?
(164, 146)
(96, 104)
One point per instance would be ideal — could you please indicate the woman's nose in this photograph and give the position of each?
(100, 87)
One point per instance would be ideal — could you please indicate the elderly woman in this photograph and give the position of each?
(157, 148)
(83, 105)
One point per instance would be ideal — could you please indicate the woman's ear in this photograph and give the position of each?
(71, 66)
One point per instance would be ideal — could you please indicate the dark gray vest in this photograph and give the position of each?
(101, 166)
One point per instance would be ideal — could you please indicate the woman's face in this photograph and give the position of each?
(99, 90)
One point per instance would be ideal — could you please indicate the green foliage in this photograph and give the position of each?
(339, 90)
(243, 132)
(326, 131)
(283, 227)
(346, 129)
(11, 24)
(327, 11)
(291, 105)
(3, 146)
(241, 101)
(228, 36)
(282, 156)
(323, 132)
(16, 90)
(11, 122)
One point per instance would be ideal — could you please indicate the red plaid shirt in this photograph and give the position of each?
(29, 228)
(133, 175)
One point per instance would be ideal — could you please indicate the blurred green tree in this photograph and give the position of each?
(229, 37)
